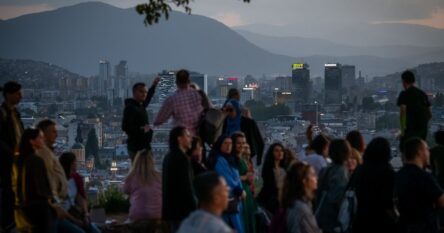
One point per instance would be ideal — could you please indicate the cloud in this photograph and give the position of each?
(326, 11)
(435, 20)
(230, 19)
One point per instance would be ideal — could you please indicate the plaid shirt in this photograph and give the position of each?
(185, 106)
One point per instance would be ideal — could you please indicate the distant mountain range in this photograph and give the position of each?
(367, 35)
(28, 71)
(301, 46)
(77, 37)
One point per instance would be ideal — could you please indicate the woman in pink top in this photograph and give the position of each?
(144, 187)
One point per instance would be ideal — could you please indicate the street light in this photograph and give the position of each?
(317, 115)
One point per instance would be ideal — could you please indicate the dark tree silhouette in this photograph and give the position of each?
(92, 145)
(154, 9)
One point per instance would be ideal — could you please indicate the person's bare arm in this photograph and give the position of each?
(403, 118)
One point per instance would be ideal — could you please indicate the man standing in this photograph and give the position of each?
(415, 111)
(135, 118)
(177, 176)
(185, 105)
(56, 174)
(11, 129)
(437, 157)
(417, 191)
(212, 193)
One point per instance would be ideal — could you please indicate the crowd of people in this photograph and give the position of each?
(214, 188)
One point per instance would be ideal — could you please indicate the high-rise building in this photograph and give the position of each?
(283, 83)
(167, 84)
(249, 92)
(348, 76)
(121, 80)
(200, 79)
(121, 69)
(333, 84)
(300, 76)
(104, 77)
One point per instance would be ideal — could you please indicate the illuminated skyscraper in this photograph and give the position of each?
(300, 76)
(333, 84)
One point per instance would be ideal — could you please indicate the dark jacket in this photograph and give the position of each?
(254, 138)
(374, 186)
(134, 119)
(268, 196)
(37, 189)
(177, 191)
(7, 144)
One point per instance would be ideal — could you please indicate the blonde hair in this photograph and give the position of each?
(143, 167)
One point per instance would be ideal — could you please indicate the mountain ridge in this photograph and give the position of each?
(78, 36)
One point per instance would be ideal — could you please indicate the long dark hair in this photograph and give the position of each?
(66, 160)
(215, 151)
(267, 168)
(293, 188)
(235, 137)
(269, 158)
(356, 140)
(25, 147)
(339, 151)
(319, 143)
(378, 151)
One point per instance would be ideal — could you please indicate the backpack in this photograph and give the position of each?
(347, 210)
(210, 125)
(211, 121)
(279, 221)
(349, 203)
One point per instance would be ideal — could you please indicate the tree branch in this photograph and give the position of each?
(154, 9)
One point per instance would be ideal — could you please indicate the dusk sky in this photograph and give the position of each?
(278, 12)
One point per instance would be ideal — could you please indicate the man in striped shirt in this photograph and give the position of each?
(184, 106)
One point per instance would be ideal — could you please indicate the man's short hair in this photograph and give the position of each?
(204, 185)
(412, 147)
(439, 137)
(232, 93)
(137, 85)
(408, 77)
(175, 133)
(11, 87)
(45, 124)
(182, 78)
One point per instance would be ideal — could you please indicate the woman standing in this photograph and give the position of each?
(357, 144)
(247, 178)
(144, 188)
(297, 194)
(273, 174)
(33, 212)
(233, 109)
(333, 182)
(374, 189)
(224, 163)
(196, 154)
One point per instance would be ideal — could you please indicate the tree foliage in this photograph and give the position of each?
(92, 145)
(154, 9)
